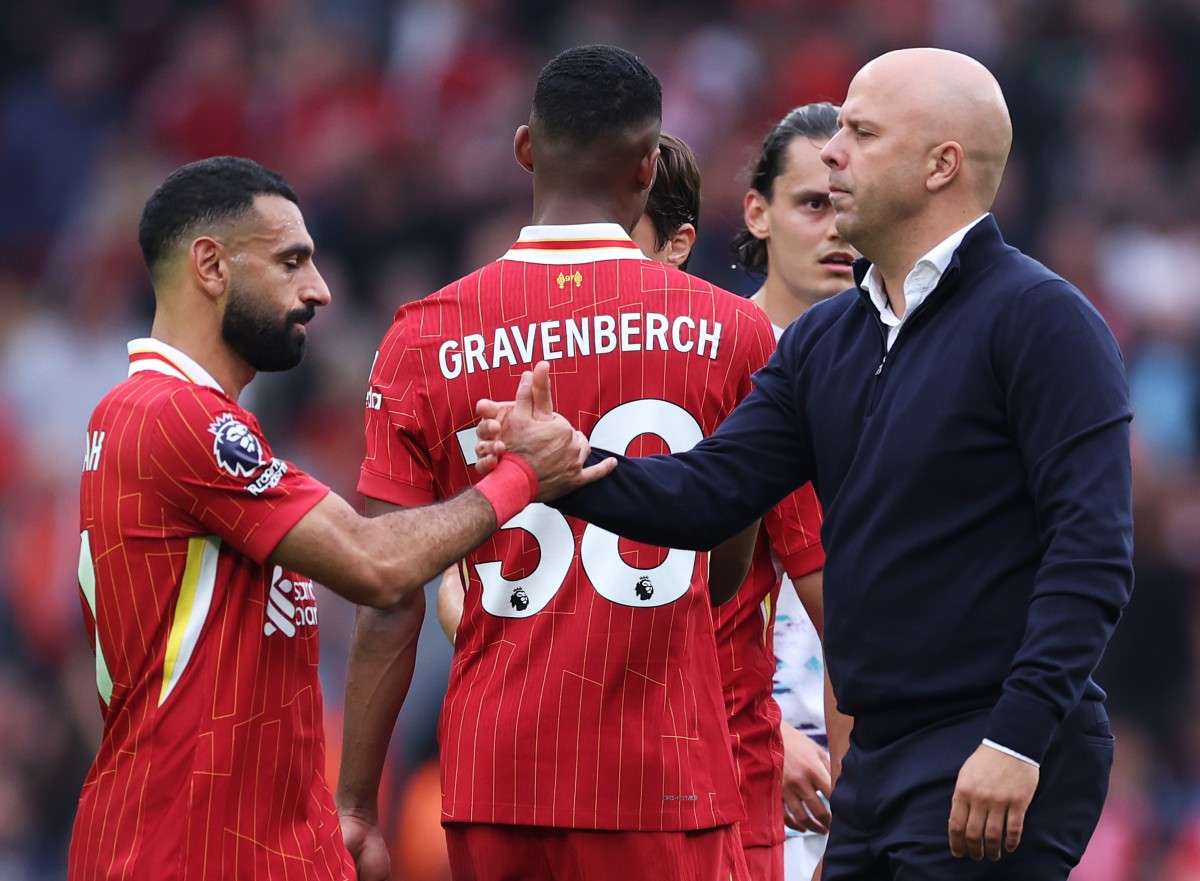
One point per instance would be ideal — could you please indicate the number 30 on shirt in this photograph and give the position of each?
(611, 576)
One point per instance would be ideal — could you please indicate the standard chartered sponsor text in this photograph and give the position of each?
(579, 337)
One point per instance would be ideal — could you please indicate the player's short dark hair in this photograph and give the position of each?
(814, 121)
(675, 197)
(200, 195)
(592, 93)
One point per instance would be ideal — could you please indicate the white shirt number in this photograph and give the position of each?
(611, 576)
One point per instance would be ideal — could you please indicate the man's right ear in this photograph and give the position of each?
(523, 148)
(648, 168)
(754, 212)
(209, 266)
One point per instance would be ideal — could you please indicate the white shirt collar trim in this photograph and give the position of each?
(563, 244)
(155, 355)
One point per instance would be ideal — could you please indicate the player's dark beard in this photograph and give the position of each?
(267, 341)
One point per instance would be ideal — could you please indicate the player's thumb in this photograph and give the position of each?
(543, 405)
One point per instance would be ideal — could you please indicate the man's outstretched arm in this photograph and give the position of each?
(695, 499)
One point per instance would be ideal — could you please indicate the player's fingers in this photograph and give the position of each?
(818, 806)
(543, 404)
(488, 431)
(489, 449)
(958, 825)
(486, 408)
(1015, 828)
(486, 465)
(797, 816)
(600, 469)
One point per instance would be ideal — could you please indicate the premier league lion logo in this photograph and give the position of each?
(519, 600)
(236, 447)
(644, 588)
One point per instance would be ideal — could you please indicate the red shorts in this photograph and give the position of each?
(486, 852)
(765, 863)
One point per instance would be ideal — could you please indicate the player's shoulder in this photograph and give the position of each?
(725, 304)
(176, 405)
(447, 300)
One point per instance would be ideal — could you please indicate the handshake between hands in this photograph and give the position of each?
(528, 427)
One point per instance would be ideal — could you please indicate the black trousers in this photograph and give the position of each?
(891, 805)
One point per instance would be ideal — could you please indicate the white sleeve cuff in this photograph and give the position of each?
(1009, 752)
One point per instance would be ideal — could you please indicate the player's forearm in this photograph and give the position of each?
(379, 672)
(381, 561)
(416, 545)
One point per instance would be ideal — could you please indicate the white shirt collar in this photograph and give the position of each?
(921, 281)
(155, 355)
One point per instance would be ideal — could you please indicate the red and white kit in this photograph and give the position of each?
(211, 760)
(584, 691)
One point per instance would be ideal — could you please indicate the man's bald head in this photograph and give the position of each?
(920, 149)
(950, 97)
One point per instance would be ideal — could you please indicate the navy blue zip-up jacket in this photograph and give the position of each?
(976, 488)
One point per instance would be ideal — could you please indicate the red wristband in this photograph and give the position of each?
(510, 488)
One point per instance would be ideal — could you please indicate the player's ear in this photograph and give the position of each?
(523, 148)
(754, 211)
(209, 265)
(647, 169)
(679, 245)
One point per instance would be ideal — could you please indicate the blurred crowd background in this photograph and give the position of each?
(393, 119)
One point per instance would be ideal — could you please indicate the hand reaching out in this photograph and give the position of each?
(529, 428)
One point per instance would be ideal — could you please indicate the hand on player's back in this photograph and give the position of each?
(529, 428)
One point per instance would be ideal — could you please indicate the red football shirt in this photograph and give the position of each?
(584, 690)
(210, 763)
(790, 539)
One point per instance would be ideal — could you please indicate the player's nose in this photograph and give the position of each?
(316, 291)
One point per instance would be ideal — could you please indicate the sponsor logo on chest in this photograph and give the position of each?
(291, 604)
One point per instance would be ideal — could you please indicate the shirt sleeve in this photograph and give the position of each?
(794, 528)
(1068, 406)
(211, 461)
(396, 467)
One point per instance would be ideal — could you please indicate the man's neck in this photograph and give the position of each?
(783, 304)
(568, 210)
(231, 373)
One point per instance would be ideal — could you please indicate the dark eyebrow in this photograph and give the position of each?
(295, 251)
(807, 195)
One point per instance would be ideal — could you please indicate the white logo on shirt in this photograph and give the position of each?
(290, 604)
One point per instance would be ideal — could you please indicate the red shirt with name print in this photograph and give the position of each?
(211, 758)
(584, 690)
